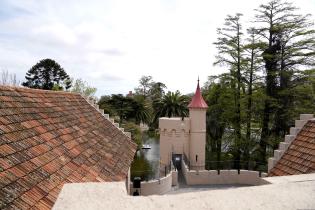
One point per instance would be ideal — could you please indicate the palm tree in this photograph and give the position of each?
(141, 110)
(171, 105)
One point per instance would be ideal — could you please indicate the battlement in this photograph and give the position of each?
(174, 125)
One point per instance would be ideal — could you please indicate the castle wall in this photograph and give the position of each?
(212, 177)
(157, 186)
(174, 137)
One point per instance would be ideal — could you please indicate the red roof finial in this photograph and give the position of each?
(197, 101)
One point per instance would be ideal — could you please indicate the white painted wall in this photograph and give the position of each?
(155, 187)
(174, 178)
(197, 145)
(174, 137)
(204, 177)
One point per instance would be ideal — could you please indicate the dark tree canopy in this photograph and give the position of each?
(47, 74)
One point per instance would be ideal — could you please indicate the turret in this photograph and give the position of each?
(197, 114)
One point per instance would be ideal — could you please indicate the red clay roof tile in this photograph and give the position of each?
(197, 101)
(50, 138)
(300, 156)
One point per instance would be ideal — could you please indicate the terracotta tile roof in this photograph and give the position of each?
(300, 156)
(51, 138)
(197, 101)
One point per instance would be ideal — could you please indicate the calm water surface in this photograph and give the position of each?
(146, 161)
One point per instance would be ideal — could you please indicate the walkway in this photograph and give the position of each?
(290, 192)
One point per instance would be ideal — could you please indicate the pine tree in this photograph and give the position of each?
(230, 49)
(290, 45)
(297, 41)
(253, 65)
(47, 74)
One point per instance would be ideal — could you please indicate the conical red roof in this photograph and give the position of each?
(197, 101)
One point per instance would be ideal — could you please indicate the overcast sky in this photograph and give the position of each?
(112, 43)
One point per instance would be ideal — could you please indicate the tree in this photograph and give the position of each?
(253, 65)
(8, 78)
(171, 105)
(218, 96)
(297, 41)
(105, 105)
(141, 111)
(145, 85)
(135, 131)
(270, 82)
(157, 90)
(230, 51)
(122, 106)
(80, 86)
(129, 109)
(289, 46)
(46, 74)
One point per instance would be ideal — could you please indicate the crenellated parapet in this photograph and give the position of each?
(174, 133)
(174, 126)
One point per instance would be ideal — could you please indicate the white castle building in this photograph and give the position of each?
(185, 136)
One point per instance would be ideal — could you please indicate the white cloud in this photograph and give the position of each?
(56, 32)
(111, 44)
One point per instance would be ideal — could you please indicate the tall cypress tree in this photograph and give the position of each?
(230, 49)
(297, 41)
(47, 74)
(253, 65)
(290, 45)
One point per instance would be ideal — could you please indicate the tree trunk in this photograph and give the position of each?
(249, 108)
(270, 58)
(238, 105)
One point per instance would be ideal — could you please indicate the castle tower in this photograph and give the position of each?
(197, 145)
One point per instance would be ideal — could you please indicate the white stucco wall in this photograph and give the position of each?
(174, 178)
(204, 177)
(155, 187)
(197, 144)
(174, 137)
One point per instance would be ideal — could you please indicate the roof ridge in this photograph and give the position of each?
(27, 89)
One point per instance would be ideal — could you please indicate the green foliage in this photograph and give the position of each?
(230, 53)
(80, 86)
(104, 104)
(141, 110)
(135, 131)
(157, 90)
(289, 47)
(173, 104)
(135, 109)
(47, 74)
(266, 88)
(215, 96)
(140, 167)
(145, 84)
(121, 105)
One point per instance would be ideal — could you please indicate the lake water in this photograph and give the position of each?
(147, 161)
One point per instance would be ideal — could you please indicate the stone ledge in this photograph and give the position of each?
(287, 192)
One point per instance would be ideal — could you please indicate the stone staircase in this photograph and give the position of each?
(93, 103)
(283, 146)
